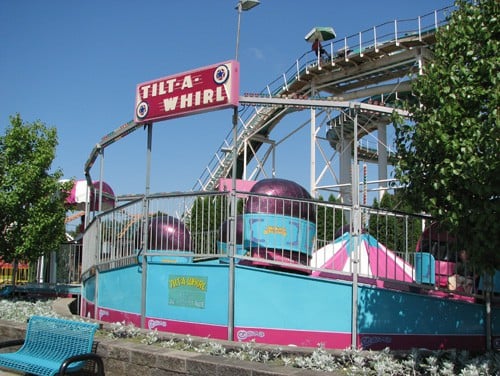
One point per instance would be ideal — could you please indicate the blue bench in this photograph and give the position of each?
(53, 346)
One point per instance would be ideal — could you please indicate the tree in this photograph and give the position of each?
(329, 219)
(448, 155)
(399, 231)
(208, 214)
(32, 208)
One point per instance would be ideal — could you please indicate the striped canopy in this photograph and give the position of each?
(375, 259)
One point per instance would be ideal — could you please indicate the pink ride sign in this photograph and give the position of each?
(206, 89)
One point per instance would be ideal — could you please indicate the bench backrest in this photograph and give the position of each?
(57, 339)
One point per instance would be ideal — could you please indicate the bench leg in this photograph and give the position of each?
(94, 358)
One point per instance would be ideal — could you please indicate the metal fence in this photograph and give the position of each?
(299, 235)
(59, 267)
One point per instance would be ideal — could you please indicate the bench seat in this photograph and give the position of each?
(53, 346)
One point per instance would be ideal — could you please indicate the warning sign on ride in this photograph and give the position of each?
(206, 89)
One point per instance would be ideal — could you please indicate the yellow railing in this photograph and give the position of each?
(6, 271)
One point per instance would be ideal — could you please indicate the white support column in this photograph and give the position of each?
(53, 267)
(245, 159)
(40, 269)
(345, 153)
(420, 63)
(313, 154)
(382, 158)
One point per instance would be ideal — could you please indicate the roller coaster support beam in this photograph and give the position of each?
(247, 100)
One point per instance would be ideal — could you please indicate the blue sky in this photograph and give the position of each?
(75, 65)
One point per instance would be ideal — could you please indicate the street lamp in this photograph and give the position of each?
(248, 4)
(243, 5)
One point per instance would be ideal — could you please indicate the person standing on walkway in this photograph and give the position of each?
(319, 50)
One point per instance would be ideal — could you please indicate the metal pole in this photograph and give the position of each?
(488, 287)
(101, 177)
(232, 228)
(312, 151)
(382, 158)
(356, 229)
(233, 213)
(145, 240)
(96, 261)
(238, 31)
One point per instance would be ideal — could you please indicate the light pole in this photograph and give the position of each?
(243, 5)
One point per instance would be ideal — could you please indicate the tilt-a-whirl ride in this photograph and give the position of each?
(265, 260)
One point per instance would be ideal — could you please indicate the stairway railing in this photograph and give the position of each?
(251, 118)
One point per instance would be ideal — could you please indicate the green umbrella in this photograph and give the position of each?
(322, 33)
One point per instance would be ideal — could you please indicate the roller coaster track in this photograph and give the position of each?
(370, 71)
(374, 67)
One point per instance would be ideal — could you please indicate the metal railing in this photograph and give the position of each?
(374, 38)
(298, 235)
(389, 32)
(7, 273)
(61, 267)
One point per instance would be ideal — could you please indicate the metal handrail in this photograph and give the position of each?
(388, 32)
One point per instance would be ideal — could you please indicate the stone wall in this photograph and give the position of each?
(126, 357)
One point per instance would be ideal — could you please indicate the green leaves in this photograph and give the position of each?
(449, 157)
(32, 209)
